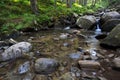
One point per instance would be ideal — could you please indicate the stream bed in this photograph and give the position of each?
(67, 47)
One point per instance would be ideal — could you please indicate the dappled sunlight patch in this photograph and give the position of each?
(77, 5)
(27, 2)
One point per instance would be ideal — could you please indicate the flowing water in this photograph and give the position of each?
(48, 44)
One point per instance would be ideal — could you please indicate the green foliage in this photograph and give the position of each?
(17, 14)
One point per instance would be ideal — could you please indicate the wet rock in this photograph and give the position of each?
(74, 31)
(111, 55)
(23, 68)
(113, 39)
(66, 76)
(15, 51)
(46, 65)
(109, 15)
(110, 24)
(100, 56)
(63, 36)
(12, 41)
(102, 78)
(89, 64)
(65, 63)
(101, 36)
(66, 44)
(76, 71)
(116, 63)
(61, 69)
(80, 49)
(56, 39)
(88, 76)
(75, 55)
(40, 77)
(86, 22)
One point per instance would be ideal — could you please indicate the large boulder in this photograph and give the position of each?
(110, 24)
(113, 39)
(46, 65)
(86, 22)
(109, 15)
(15, 51)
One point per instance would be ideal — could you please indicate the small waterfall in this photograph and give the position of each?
(97, 30)
(67, 28)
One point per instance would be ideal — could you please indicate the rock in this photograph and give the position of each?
(80, 49)
(102, 78)
(89, 64)
(65, 44)
(66, 76)
(46, 65)
(89, 77)
(56, 39)
(23, 68)
(101, 36)
(113, 39)
(75, 55)
(110, 24)
(40, 77)
(63, 36)
(86, 22)
(109, 15)
(116, 63)
(111, 55)
(15, 51)
(100, 56)
(65, 63)
(76, 71)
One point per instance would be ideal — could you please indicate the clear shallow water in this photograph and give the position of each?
(48, 44)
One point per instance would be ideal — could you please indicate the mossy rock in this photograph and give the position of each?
(86, 22)
(109, 15)
(113, 39)
(110, 24)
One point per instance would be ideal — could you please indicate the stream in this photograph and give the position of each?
(67, 47)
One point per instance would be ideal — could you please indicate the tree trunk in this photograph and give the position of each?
(34, 7)
(55, 1)
(85, 2)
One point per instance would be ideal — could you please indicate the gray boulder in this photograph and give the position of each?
(109, 15)
(15, 51)
(113, 39)
(45, 65)
(86, 22)
(110, 24)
